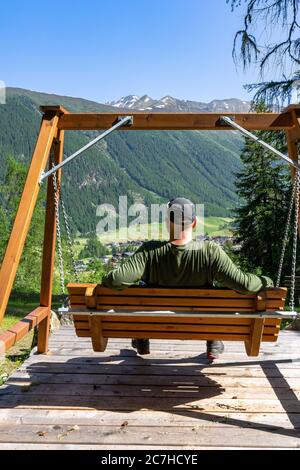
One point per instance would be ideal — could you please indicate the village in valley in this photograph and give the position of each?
(118, 252)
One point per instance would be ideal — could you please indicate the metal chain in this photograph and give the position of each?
(286, 234)
(295, 240)
(58, 234)
(69, 239)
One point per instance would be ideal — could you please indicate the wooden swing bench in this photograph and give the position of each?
(176, 313)
(154, 313)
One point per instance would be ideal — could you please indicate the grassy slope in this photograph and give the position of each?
(18, 353)
(214, 226)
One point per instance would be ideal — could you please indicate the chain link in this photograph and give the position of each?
(58, 234)
(57, 199)
(295, 240)
(286, 234)
(69, 239)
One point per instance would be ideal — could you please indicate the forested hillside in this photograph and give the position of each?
(147, 167)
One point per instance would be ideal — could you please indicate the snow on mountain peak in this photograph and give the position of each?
(171, 104)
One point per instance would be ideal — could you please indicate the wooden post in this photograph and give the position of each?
(26, 207)
(98, 341)
(256, 332)
(49, 248)
(293, 141)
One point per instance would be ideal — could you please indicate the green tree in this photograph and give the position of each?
(93, 248)
(254, 44)
(264, 186)
(28, 274)
(95, 272)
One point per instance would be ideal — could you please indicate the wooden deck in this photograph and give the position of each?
(74, 398)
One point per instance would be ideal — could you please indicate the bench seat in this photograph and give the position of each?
(176, 313)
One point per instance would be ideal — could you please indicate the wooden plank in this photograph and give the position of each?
(176, 357)
(176, 391)
(197, 337)
(171, 327)
(40, 446)
(176, 121)
(140, 308)
(49, 246)
(286, 337)
(114, 326)
(131, 435)
(199, 304)
(80, 318)
(177, 335)
(172, 293)
(24, 378)
(134, 326)
(10, 337)
(175, 302)
(80, 288)
(75, 367)
(169, 301)
(168, 323)
(210, 405)
(174, 310)
(166, 312)
(236, 320)
(25, 210)
(280, 347)
(153, 418)
(189, 347)
(192, 328)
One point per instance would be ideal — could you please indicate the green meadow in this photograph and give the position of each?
(213, 226)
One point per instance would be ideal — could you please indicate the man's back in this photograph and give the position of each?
(195, 264)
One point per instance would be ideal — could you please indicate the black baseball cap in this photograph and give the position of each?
(181, 211)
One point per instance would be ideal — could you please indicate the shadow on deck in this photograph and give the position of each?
(116, 399)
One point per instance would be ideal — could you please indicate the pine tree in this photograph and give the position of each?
(269, 37)
(264, 186)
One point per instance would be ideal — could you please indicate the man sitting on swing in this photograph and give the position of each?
(182, 262)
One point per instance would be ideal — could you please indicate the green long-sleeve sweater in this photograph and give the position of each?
(196, 264)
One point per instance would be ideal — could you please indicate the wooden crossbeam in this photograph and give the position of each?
(176, 121)
(20, 329)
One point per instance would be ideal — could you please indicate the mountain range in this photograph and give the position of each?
(170, 104)
(151, 166)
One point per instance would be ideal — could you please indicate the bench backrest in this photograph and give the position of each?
(149, 313)
(187, 299)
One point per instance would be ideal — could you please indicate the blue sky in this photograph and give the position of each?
(105, 49)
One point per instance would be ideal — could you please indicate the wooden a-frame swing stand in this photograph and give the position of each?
(56, 120)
